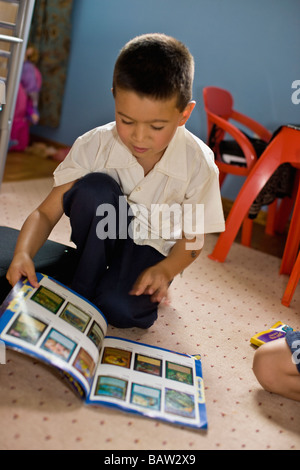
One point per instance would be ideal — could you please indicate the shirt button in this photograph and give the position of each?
(138, 188)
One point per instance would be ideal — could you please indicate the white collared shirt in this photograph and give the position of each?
(184, 184)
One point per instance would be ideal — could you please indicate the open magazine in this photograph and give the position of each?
(56, 325)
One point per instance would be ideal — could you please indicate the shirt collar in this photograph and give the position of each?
(119, 155)
(173, 162)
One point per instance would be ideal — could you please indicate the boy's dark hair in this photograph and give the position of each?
(156, 65)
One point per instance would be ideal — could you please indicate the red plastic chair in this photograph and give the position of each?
(284, 148)
(292, 283)
(291, 260)
(218, 105)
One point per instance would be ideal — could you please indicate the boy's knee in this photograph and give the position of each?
(261, 367)
(98, 182)
(272, 362)
(90, 191)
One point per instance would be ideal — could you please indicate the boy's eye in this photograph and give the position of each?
(126, 122)
(129, 123)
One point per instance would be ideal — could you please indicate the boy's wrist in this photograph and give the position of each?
(169, 270)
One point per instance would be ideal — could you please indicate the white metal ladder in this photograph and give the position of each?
(12, 51)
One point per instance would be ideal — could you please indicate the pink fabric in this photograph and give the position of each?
(30, 84)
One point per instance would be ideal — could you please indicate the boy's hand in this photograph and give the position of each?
(22, 265)
(154, 281)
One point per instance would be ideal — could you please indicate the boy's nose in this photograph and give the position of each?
(138, 133)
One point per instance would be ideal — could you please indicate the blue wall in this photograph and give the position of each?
(249, 47)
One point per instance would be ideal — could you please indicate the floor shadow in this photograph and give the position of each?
(283, 411)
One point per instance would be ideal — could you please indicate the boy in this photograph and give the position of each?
(119, 182)
(276, 366)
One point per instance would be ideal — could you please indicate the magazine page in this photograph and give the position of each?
(151, 381)
(56, 325)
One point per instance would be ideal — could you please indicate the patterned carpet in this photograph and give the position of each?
(214, 310)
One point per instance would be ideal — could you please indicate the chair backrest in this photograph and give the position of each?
(218, 101)
(218, 105)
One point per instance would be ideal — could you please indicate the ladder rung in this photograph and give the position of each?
(4, 37)
(6, 25)
(5, 54)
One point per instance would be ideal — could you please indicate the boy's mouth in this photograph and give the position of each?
(140, 149)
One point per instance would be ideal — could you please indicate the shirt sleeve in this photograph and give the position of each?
(202, 206)
(80, 160)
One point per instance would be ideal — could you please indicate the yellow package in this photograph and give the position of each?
(279, 330)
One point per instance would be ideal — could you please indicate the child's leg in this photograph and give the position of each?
(119, 307)
(276, 366)
(81, 203)
(108, 266)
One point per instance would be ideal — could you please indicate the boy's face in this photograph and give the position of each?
(146, 126)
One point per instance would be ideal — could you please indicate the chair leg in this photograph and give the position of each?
(283, 214)
(222, 177)
(292, 283)
(276, 221)
(271, 218)
(286, 206)
(259, 175)
(293, 240)
(247, 229)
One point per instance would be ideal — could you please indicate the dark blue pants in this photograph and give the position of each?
(107, 267)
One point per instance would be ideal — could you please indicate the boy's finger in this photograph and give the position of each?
(138, 289)
(33, 281)
(142, 286)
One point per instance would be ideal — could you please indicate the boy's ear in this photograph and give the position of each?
(187, 112)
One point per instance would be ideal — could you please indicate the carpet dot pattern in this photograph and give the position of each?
(214, 309)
